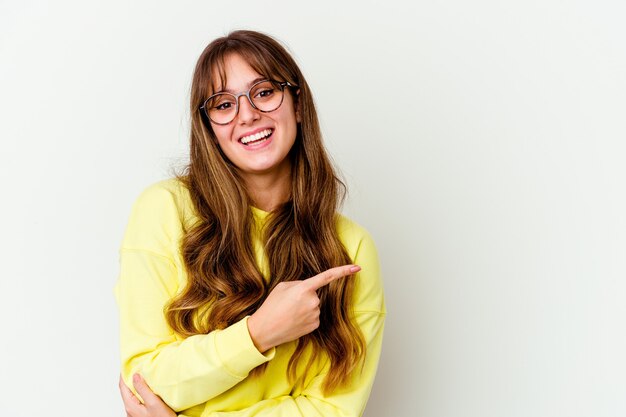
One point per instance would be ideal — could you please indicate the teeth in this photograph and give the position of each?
(256, 136)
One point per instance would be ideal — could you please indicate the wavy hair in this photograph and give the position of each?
(300, 236)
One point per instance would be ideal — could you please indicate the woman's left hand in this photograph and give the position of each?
(153, 405)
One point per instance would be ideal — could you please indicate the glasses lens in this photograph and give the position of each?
(267, 95)
(221, 108)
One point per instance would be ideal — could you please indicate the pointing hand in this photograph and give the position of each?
(291, 310)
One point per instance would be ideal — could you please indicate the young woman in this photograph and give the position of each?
(242, 291)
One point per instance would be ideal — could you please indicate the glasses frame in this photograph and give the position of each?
(246, 94)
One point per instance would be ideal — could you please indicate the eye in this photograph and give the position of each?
(222, 102)
(223, 106)
(263, 91)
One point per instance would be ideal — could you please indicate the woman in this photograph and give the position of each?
(242, 291)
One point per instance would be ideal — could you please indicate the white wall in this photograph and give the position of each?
(483, 142)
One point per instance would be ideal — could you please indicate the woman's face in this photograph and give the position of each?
(256, 157)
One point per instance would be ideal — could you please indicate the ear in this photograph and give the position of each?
(296, 104)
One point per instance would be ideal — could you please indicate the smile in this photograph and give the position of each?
(257, 137)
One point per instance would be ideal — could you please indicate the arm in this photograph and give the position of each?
(184, 372)
(346, 402)
(370, 315)
(311, 402)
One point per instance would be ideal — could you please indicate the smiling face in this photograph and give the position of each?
(255, 142)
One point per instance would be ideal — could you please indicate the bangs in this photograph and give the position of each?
(260, 61)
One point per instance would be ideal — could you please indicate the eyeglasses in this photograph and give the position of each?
(265, 96)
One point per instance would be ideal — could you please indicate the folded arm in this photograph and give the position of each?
(183, 372)
(345, 402)
(348, 401)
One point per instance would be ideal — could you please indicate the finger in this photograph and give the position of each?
(127, 395)
(330, 275)
(144, 390)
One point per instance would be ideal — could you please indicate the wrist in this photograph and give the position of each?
(256, 335)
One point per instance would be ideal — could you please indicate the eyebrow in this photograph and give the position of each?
(256, 80)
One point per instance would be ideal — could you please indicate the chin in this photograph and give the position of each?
(264, 167)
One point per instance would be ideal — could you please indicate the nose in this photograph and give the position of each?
(247, 113)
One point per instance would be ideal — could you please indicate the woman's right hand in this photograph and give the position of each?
(292, 309)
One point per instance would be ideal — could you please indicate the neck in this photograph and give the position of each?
(267, 191)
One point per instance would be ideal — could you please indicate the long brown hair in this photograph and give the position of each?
(300, 236)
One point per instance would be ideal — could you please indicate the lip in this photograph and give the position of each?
(255, 131)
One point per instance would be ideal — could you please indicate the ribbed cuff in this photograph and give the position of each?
(236, 350)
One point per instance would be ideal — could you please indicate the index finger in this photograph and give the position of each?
(128, 397)
(328, 276)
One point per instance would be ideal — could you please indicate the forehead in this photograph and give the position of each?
(234, 74)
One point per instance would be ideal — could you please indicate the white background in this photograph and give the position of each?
(483, 142)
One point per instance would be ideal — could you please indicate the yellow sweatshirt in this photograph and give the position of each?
(207, 374)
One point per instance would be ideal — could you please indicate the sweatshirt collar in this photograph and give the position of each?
(258, 213)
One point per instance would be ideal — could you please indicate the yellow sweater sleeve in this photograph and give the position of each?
(350, 400)
(346, 402)
(183, 372)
